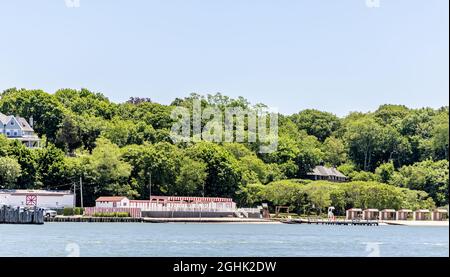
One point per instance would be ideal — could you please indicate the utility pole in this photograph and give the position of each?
(81, 191)
(150, 186)
(74, 195)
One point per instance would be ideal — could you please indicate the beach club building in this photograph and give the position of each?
(166, 206)
(37, 198)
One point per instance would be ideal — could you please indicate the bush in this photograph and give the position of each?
(78, 211)
(112, 214)
(68, 211)
(73, 211)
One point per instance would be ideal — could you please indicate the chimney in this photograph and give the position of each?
(31, 121)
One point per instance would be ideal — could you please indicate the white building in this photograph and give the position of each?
(169, 203)
(18, 128)
(112, 202)
(39, 198)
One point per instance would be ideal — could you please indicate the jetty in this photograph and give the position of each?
(332, 222)
(156, 220)
(20, 215)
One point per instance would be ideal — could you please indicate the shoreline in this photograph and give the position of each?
(223, 220)
(424, 223)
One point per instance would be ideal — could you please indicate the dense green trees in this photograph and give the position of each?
(10, 170)
(394, 157)
(317, 196)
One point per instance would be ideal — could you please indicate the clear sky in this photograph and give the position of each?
(337, 56)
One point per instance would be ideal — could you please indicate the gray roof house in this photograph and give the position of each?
(327, 173)
(18, 128)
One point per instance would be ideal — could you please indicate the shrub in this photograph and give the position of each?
(111, 214)
(68, 211)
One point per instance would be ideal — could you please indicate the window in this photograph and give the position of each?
(15, 133)
(12, 123)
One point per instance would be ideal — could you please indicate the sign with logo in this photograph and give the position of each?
(31, 200)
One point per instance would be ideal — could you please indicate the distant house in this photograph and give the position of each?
(18, 128)
(112, 202)
(327, 173)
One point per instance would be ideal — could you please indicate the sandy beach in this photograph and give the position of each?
(417, 223)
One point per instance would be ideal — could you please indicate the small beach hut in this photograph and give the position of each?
(370, 214)
(403, 214)
(388, 214)
(439, 215)
(422, 215)
(353, 213)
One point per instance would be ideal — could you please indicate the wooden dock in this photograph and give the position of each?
(156, 220)
(18, 215)
(92, 219)
(332, 222)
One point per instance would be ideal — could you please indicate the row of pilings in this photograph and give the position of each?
(21, 215)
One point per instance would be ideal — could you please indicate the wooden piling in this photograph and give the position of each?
(19, 215)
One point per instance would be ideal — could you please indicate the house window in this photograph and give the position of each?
(7, 133)
(15, 134)
(12, 123)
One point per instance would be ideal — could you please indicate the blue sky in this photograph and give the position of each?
(337, 56)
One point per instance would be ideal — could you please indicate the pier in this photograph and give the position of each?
(155, 220)
(18, 215)
(332, 222)
(92, 219)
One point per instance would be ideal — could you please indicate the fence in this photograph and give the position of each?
(184, 207)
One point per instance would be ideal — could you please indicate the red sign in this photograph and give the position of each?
(31, 200)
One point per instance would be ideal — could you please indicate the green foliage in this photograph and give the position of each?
(10, 171)
(317, 123)
(385, 172)
(112, 214)
(124, 148)
(334, 150)
(431, 177)
(224, 173)
(45, 109)
(68, 211)
(316, 196)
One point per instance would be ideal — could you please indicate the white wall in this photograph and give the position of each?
(124, 203)
(43, 201)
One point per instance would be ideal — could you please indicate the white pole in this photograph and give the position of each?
(81, 192)
(74, 195)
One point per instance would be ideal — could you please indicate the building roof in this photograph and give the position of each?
(35, 192)
(321, 170)
(110, 199)
(23, 123)
(5, 118)
(186, 199)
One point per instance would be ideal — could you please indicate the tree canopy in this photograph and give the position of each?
(394, 156)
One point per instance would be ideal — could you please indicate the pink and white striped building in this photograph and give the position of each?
(185, 203)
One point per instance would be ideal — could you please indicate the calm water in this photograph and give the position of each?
(134, 239)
